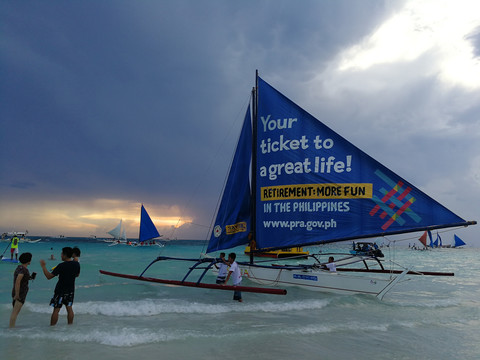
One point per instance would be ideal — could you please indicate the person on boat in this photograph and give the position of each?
(331, 264)
(14, 247)
(67, 272)
(21, 276)
(76, 254)
(251, 241)
(236, 275)
(222, 269)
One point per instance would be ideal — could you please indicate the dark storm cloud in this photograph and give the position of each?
(118, 97)
(143, 100)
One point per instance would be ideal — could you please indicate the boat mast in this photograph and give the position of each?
(253, 197)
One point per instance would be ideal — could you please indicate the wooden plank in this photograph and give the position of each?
(199, 285)
(378, 271)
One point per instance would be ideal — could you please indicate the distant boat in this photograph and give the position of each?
(423, 241)
(366, 249)
(457, 242)
(118, 233)
(148, 231)
(7, 236)
(147, 234)
(438, 241)
(30, 241)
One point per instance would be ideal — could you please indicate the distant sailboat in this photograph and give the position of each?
(457, 242)
(437, 241)
(423, 240)
(148, 231)
(119, 234)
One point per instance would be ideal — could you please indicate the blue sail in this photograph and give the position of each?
(314, 187)
(439, 240)
(458, 241)
(431, 239)
(436, 242)
(232, 224)
(147, 227)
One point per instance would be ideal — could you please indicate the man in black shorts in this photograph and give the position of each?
(67, 272)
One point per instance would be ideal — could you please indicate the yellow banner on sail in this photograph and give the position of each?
(316, 191)
(236, 228)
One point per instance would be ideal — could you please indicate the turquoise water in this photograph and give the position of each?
(425, 317)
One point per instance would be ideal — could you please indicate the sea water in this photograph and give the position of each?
(422, 318)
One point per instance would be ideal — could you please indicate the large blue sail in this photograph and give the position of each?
(232, 224)
(313, 186)
(147, 227)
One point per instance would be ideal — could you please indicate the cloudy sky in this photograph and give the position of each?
(109, 104)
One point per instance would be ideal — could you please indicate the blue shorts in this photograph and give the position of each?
(237, 295)
(62, 299)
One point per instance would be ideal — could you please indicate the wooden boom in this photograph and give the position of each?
(199, 285)
(378, 271)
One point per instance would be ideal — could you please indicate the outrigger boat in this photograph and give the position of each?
(294, 182)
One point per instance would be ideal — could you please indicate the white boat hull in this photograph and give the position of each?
(320, 280)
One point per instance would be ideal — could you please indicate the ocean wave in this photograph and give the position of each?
(117, 336)
(335, 327)
(128, 336)
(134, 332)
(431, 303)
(151, 307)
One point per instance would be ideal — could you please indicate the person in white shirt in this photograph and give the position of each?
(331, 264)
(236, 275)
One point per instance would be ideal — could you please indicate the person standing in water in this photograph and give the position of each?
(67, 272)
(21, 276)
(236, 275)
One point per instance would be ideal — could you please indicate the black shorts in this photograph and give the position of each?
(21, 300)
(62, 299)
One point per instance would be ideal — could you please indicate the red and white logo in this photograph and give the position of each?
(217, 231)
